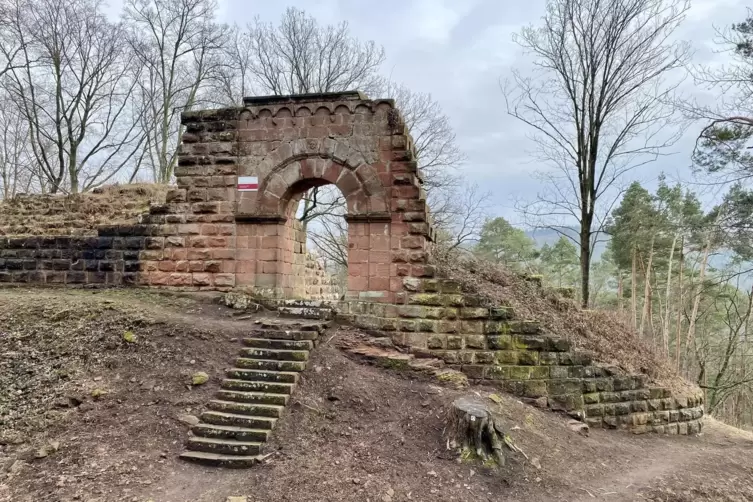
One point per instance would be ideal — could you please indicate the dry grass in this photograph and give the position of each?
(602, 333)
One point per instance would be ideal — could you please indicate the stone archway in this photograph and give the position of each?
(287, 144)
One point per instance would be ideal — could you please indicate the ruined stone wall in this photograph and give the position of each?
(320, 284)
(80, 214)
(112, 259)
(492, 347)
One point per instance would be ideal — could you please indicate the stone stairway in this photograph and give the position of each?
(254, 394)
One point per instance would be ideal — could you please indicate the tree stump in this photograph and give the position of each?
(474, 432)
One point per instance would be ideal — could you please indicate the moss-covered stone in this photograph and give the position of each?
(540, 372)
(548, 358)
(475, 341)
(454, 342)
(497, 372)
(507, 357)
(520, 372)
(436, 342)
(199, 378)
(592, 398)
(499, 342)
(455, 378)
(485, 357)
(528, 358)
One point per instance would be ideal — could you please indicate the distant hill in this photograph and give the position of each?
(548, 236)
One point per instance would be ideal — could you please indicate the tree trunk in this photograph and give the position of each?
(585, 261)
(699, 291)
(620, 306)
(647, 288)
(634, 292)
(473, 431)
(678, 337)
(665, 324)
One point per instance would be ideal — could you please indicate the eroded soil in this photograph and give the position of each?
(354, 432)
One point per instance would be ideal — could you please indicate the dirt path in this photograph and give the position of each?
(353, 432)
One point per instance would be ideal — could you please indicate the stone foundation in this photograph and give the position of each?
(492, 347)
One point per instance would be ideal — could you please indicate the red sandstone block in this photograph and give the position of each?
(209, 229)
(167, 266)
(379, 284)
(177, 254)
(271, 230)
(396, 284)
(175, 241)
(245, 279)
(270, 242)
(198, 242)
(247, 254)
(199, 254)
(228, 266)
(245, 267)
(179, 279)
(213, 266)
(379, 243)
(358, 283)
(268, 254)
(332, 172)
(182, 266)
(159, 278)
(222, 254)
(347, 182)
(224, 280)
(196, 266)
(151, 255)
(224, 229)
(379, 269)
(358, 256)
(201, 279)
(378, 205)
(358, 269)
(269, 267)
(400, 269)
(189, 229)
(413, 242)
(218, 242)
(149, 266)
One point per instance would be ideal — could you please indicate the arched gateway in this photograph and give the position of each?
(242, 171)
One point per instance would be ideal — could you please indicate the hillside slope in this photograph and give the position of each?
(354, 432)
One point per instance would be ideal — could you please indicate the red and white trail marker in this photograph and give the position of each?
(248, 183)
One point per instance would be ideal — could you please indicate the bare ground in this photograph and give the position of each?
(354, 432)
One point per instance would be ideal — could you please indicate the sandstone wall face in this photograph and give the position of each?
(434, 319)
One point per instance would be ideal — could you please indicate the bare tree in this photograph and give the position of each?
(301, 56)
(597, 103)
(177, 44)
(459, 215)
(16, 175)
(72, 83)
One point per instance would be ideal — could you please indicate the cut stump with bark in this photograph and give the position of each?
(474, 431)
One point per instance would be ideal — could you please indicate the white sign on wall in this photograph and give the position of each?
(248, 183)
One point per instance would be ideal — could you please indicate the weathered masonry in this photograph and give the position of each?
(230, 223)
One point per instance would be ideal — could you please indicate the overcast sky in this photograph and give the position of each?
(459, 50)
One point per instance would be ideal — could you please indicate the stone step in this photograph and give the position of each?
(253, 397)
(248, 386)
(220, 418)
(269, 364)
(284, 335)
(219, 460)
(254, 410)
(223, 446)
(276, 354)
(269, 343)
(307, 312)
(245, 434)
(293, 325)
(262, 376)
